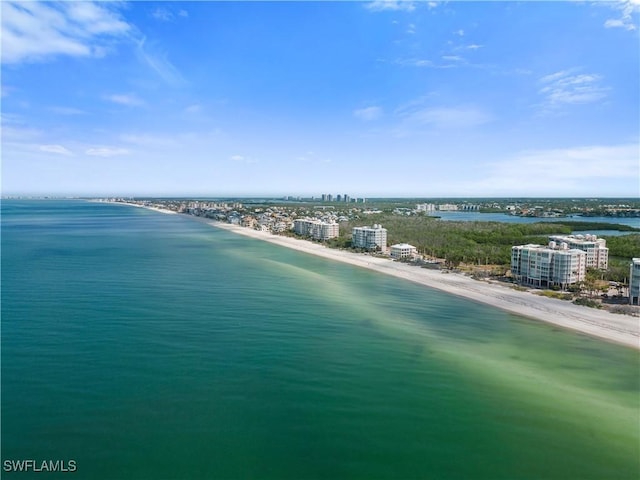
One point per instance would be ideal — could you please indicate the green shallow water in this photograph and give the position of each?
(144, 345)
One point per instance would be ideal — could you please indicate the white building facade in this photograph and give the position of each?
(541, 266)
(403, 250)
(634, 282)
(315, 229)
(371, 238)
(595, 248)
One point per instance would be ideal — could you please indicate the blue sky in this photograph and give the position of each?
(380, 98)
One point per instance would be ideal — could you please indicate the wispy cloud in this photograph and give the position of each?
(368, 113)
(34, 31)
(396, 5)
(311, 157)
(106, 151)
(149, 141)
(67, 111)
(163, 14)
(242, 159)
(129, 100)
(414, 62)
(150, 55)
(195, 108)
(567, 87)
(59, 149)
(447, 117)
(573, 170)
(625, 10)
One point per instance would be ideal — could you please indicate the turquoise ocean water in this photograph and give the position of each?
(143, 345)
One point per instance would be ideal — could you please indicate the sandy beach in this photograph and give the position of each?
(621, 329)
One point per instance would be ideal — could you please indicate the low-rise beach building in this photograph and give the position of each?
(547, 266)
(403, 250)
(595, 248)
(371, 238)
(634, 282)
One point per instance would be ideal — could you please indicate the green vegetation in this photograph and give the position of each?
(587, 302)
(468, 242)
(621, 250)
(558, 295)
(582, 226)
(624, 246)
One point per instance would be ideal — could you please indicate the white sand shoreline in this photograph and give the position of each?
(616, 328)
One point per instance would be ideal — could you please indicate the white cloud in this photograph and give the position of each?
(415, 62)
(459, 32)
(162, 14)
(312, 158)
(149, 141)
(396, 5)
(566, 87)
(159, 63)
(566, 171)
(55, 149)
(411, 29)
(125, 99)
(626, 10)
(450, 61)
(34, 31)
(242, 159)
(165, 15)
(368, 113)
(67, 111)
(444, 117)
(195, 108)
(106, 151)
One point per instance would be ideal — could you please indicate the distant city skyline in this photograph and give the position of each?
(368, 99)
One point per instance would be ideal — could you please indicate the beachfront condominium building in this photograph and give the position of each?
(403, 250)
(371, 238)
(316, 229)
(541, 266)
(595, 248)
(634, 282)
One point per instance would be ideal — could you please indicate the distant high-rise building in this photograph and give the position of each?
(339, 198)
(448, 207)
(426, 207)
(346, 197)
(329, 198)
(324, 197)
